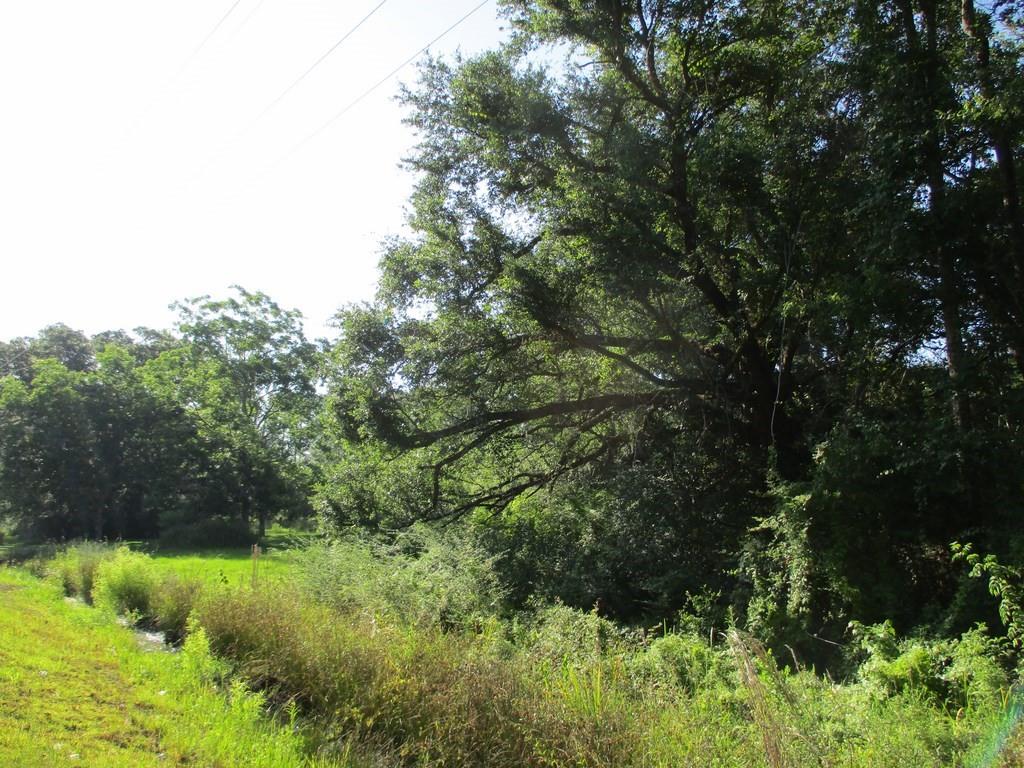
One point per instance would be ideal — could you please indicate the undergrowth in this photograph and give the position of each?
(403, 655)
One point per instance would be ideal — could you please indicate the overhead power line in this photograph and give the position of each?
(249, 16)
(318, 62)
(338, 115)
(192, 57)
(209, 36)
(337, 44)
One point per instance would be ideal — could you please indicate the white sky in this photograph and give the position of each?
(127, 183)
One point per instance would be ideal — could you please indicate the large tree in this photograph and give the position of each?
(245, 375)
(676, 268)
(641, 234)
(89, 453)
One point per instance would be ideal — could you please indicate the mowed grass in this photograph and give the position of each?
(78, 689)
(234, 567)
(65, 697)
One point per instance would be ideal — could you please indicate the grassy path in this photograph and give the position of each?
(77, 689)
(65, 696)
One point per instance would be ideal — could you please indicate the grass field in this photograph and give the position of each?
(234, 566)
(228, 566)
(78, 689)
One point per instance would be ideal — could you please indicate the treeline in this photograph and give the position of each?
(194, 435)
(724, 314)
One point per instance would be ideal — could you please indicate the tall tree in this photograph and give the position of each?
(719, 243)
(645, 235)
(88, 453)
(246, 375)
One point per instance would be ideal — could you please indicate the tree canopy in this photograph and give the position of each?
(128, 435)
(743, 277)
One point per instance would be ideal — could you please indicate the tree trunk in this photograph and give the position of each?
(246, 506)
(948, 293)
(1010, 276)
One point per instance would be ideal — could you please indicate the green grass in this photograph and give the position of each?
(341, 643)
(228, 566)
(234, 565)
(78, 689)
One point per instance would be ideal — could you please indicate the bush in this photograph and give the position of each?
(559, 633)
(173, 600)
(126, 584)
(975, 674)
(682, 662)
(439, 697)
(199, 666)
(422, 578)
(75, 568)
(965, 672)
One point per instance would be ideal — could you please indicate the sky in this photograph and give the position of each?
(139, 166)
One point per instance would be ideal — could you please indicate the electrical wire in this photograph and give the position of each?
(337, 44)
(338, 115)
(192, 57)
(316, 64)
(249, 16)
(209, 36)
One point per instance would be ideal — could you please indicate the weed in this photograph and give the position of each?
(172, 602)
(75, 567)
(126, 583)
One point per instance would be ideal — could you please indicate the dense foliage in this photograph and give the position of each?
(715, 306)
(728, 302)
(123, 436)
(392, 657)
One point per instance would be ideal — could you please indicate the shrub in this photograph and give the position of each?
(558, 633)
(279, 640)
(38, 567)
(680, 661)
(199, 666)
(75, 568)
(173, 600)
(126, 584)
(437, 697)
(964, 672)
(1005, 582)
(975, 674)
(422, 577)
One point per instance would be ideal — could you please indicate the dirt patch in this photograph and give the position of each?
(10, 587)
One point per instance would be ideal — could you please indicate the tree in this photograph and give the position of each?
(71, 348)
(120, 435)
(708, 245)
(246, 377)
(640, 237)
(88, 453)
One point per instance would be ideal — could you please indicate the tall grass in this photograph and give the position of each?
(126, 583)
(75, 567)
(403, 654)
(421, 577)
